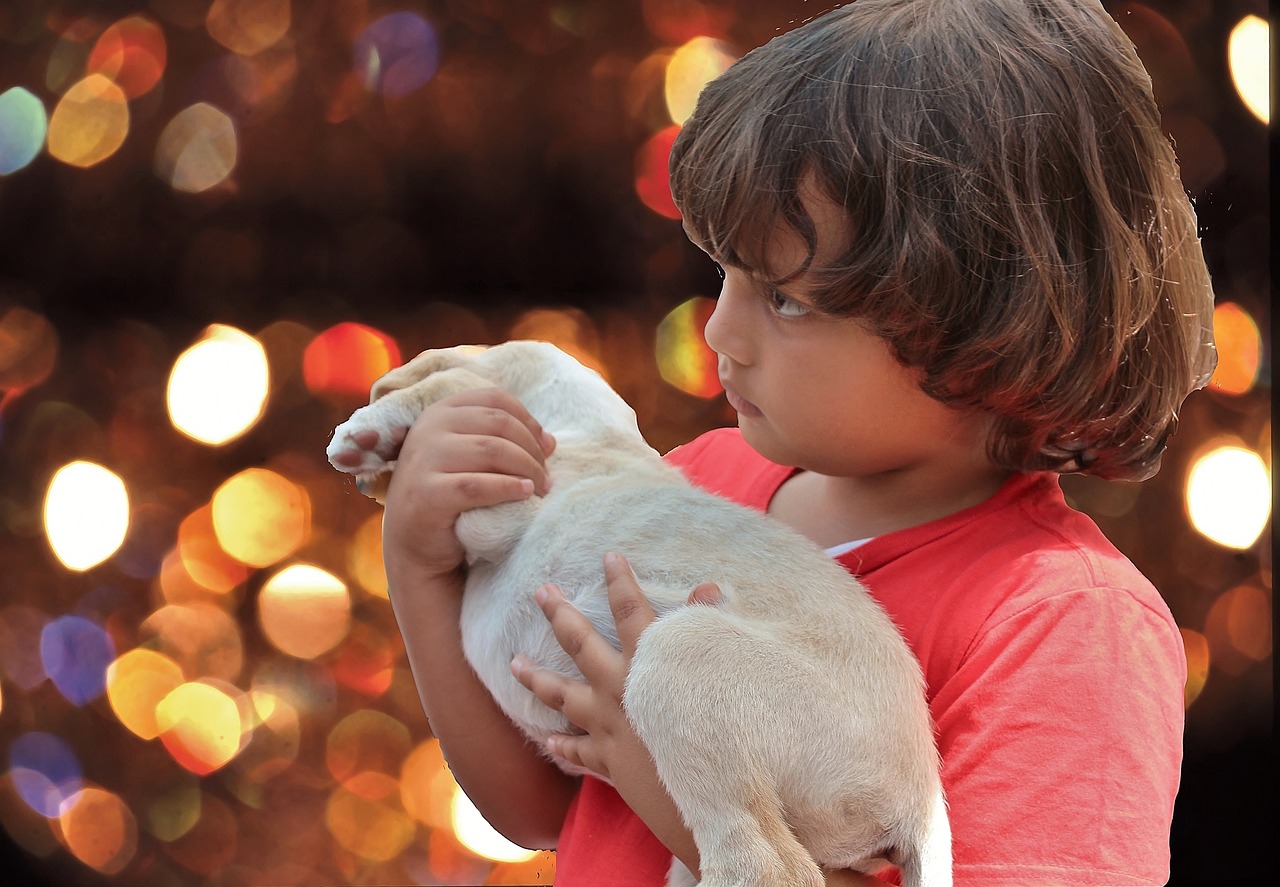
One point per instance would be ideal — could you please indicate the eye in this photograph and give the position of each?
(784, 306)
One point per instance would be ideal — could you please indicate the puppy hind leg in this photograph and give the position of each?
(749, 845)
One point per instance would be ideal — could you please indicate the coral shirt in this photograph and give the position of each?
(1055, 677)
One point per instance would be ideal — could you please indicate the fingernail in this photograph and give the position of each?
(541, 595)
(615, 561)
(548, 442)
(526, 486)
(518, 665)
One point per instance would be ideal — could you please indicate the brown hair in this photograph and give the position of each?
(1017, 229)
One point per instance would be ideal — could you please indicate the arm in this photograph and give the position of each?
(473, 449)
(609, 746)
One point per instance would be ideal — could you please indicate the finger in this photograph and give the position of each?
(551, 688)
(468, 452)
(631, 610)
(570, 748)
(502, 410)
(707, 594)
(595, 657)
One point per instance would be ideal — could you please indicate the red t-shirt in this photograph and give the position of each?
(1055, 678)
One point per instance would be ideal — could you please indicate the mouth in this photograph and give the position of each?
(743, 406)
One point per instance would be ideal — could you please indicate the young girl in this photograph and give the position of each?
(957, 262)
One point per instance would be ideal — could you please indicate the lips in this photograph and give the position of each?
(743, 406)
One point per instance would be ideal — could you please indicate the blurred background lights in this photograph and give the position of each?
(369, 821)
(136, 683)
(86, 514)
(89, 123)
(475, 833)
(397, 54)
(99, 829)
(197, 150)
(1239, 349)
(684, 360)
(1229, 496)
(76, 654)
(28, 347)
(347, 359)
(261, 517)
(132, 54)
(23, 125)
(247, 27)
(1249, 54)
(201, 726)
(692, 67)
(304, 611)
(218, 387)
(653, 181)
(45, 771)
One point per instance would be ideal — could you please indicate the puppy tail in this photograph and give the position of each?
(929, 863)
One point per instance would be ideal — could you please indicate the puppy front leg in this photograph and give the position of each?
(368, 443)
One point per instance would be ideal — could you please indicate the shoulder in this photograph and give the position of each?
(721, 462)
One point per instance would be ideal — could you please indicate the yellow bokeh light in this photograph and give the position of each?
(366, 741)
(86, 514)
(684, 360)
(1197, 648)
(247, 27)
(364, 558)
(427, 785)
(202, 638)
(89, 123)
(1249, 54)
(1229, 496)
(369, 821)
(260, 517)
(692, 67)
(202, 558)
(1239, 349)
(201, 725)
(218, 386)
(136, 684)
(475, 833)
(198, 149)
(99, 829)
(304, 611)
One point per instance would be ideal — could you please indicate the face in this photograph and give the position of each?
(823, 392)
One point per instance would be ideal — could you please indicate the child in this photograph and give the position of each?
(957, 262)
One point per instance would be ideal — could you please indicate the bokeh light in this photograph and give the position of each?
(198, 149)
(99, 829)
(248, 27)
(692, 67)
(23, 125)
(28, 345)
(1238, 628)
(304, 611)
(364, 558)
(20, 629)
(478, 836)
(347, 359)
(396, 54)
(684, 359)
(1249, 54)
(76, 654)
(201, 725)
(89, 123)
(1239, 346)
(202, 559)
(202, 638)
(136, 684)
(653, 181)
(86, 514)
(1196, 646)
(45, 771)
(261, 517)
(131, 53)
(1229, 496)
(218, 387)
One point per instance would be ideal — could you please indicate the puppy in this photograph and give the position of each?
(788, 722)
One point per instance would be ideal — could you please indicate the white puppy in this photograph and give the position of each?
(788, 722)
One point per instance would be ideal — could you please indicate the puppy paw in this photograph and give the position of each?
(366, 445)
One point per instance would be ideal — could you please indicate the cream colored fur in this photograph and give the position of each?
(788, 722)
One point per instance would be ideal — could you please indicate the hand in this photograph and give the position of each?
(470, 450)
(607, 745)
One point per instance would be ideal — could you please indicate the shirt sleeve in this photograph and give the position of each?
(1061, 741)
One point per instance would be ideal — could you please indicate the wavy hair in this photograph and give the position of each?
(1016, 226)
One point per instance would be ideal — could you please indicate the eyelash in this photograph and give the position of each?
(777, 301)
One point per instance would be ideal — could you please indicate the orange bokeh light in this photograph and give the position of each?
(347, 359)
(132, 53)
(653, 183)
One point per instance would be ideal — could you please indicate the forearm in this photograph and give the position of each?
(521, 793)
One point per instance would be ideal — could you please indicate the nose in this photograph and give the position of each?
(728, 330)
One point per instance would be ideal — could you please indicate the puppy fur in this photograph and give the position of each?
(788, 722)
